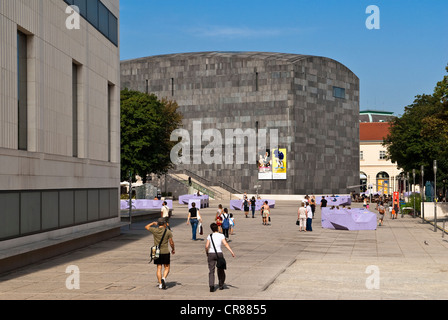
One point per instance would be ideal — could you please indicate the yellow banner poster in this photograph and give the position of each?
(279, 167)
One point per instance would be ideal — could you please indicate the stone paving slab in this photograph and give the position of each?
(272, 262)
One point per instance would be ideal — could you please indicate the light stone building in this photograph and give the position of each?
(312, 101)
(377, 172)
(59, 119)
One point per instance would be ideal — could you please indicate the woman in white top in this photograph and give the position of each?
(216, 240)
(302, 217)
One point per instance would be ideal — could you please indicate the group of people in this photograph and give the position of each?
(305, 217)
(163, 238)
(221, 229)
(251, 205)
(305, 214)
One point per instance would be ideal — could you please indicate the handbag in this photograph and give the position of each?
(155, 250)
(221, 263)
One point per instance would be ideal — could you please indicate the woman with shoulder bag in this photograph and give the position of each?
(213, 249)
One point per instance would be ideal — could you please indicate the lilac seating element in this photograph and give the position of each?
(204, 200)
(348, 219)
(199, 203)
(335, 201)
(145, 204)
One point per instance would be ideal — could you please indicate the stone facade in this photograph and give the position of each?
(313, 102)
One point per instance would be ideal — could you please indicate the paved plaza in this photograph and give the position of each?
(403, 259)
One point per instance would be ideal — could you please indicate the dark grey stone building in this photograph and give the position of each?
(312, 101)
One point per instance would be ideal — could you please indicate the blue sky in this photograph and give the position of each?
(404, 58)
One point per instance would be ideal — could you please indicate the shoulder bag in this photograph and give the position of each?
(155, 250)
(221, 263)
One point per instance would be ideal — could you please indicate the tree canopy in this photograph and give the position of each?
(420, 135)
(146, 126)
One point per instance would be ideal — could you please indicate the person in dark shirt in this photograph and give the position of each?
(323, 202)
(253, 205)
(194, 218)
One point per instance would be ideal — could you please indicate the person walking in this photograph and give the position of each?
(232, 223)
(165, 214)
(302, 213)
(313, 204)
(213, 250)
(162, 236)
(265, 212)
(381, 211)
(194, 218)
(225, 218)
(218, 217)
(253, 206)
(309, 217)
(246, 204)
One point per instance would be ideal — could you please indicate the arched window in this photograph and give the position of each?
(382, 182)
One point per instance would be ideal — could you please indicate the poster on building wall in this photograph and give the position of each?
(264, 165)
(279, 167)
(383, 186)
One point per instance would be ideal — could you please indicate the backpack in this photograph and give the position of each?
(226, 222)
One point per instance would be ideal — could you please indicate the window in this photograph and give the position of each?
(256, 81)
(75, 70)
(82, 5)
(339, 93)
(110, 91)
(97, 14)
(103, 19)
(113, 28)
(382, 182)
(92, 12)
(382, 155)
(22, 90)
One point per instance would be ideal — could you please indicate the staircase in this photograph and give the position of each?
(204, 186)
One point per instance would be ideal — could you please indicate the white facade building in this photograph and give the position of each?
(376, 171)
(59, 118)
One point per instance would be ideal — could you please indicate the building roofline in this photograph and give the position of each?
(256, 55)
(377, 112)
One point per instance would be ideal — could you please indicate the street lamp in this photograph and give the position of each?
(413, 193)
(422, 172)
(130, 199)
(409, 184)
(444, 191)
(435, 195)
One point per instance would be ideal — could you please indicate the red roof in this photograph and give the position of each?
(373, 131)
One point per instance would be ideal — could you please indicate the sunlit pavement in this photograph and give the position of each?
(403, 259)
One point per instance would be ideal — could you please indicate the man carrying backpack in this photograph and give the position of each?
(225, 217)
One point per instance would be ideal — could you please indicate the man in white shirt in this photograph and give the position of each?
(309, 217)
(165, 214)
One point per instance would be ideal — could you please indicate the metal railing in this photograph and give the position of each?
(200, 188)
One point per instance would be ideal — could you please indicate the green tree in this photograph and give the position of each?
(420, 135)
(146, 126)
